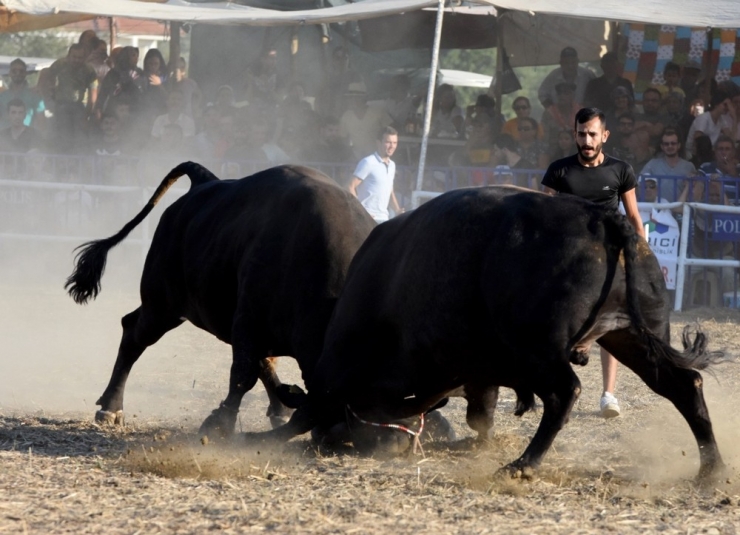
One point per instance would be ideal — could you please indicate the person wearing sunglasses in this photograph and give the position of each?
(523, 109)
(669, 166)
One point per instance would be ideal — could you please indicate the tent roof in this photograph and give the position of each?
(715, 13)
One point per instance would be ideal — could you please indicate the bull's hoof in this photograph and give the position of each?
(437, 428)
(278, 420)
(711, 473)
(331, 437)
(516, 470)
(108, 418)
(220, 424)
(383, 443)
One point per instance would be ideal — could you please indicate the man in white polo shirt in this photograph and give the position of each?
(372, 181)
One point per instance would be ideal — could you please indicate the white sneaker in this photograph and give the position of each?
(609, 406)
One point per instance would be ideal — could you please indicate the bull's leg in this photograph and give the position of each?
(140, 330)
(277, 412)
(682, 387)
(558, 387)
(245, 370)
(481, 408)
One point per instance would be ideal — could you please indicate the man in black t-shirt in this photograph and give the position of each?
(604, 180)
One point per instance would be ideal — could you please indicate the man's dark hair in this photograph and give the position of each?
(718, 98)
(387, 130)
(670, 66)
(19, 61)
(585, 115)
(723, 139)
(505, 141)
(651, 90)
(17, 103)
(77, 46)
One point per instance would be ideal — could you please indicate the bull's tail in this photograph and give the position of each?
(695, 355)
(84, 282)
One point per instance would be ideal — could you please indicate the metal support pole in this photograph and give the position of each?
(683, 248)
(430, 94)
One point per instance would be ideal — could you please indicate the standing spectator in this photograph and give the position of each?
(532, 150)
(372, 181)
(593, 175)
(669, 164)
(156, 75)
(18, 89)
(175, 115)
(484, 108)
(125, 80)
(689, 79)
(651, 120)
(599, 91)
(360, 123)
(561, 114)
(339, 76)
(189, 87)
(447, 116)
(569, 72)
(672, 78)
(18, 137)
(720, 119)
(71, 79)
(265, 87)
(522, 108)
(99, 61)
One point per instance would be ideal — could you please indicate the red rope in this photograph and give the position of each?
(415, 434)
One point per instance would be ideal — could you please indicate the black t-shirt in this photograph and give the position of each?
(603, 184)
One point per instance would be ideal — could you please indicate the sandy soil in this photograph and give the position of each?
(61, 473)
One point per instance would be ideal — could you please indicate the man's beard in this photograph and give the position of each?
(596, 152)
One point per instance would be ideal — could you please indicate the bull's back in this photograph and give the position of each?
(283, 238)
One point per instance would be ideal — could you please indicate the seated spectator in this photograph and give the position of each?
(18, 89)
(568, 72)
(675, 112)
(224, 102)
(561, 114)
(478, 150)
(447, 116)
(641, 149)
(400, 105)
(620, 132)
(484, 108)
(111, 142)
(175, 115)
(522, 108)
(18, 138)
(532, 150)
(160, 156)
(330, 147)
(725, 161)
(651, 120)
(361, 123)
(669, 164)
(505, 153)
(721, 119)
(257, 146)
(600, 91)
(651, 195)
(564, 147)
(206, 140)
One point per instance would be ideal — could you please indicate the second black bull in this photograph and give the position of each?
(258, 262)
(494, 287)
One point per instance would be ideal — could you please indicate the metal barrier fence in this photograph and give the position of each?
(51, 198)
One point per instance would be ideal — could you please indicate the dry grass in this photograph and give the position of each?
(61, 473)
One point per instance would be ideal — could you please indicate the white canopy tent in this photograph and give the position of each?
(710, 13)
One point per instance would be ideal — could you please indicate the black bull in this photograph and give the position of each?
(258, 262)
(493, 287)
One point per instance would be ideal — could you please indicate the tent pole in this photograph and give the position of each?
(498, 87)
(430, 94)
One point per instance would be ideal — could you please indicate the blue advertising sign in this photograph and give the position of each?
(726, 227)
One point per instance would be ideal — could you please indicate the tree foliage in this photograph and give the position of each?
(34, 44)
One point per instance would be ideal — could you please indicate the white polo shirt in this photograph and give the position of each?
(375, 190)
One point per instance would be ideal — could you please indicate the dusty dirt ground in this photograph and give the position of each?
(60, 473)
